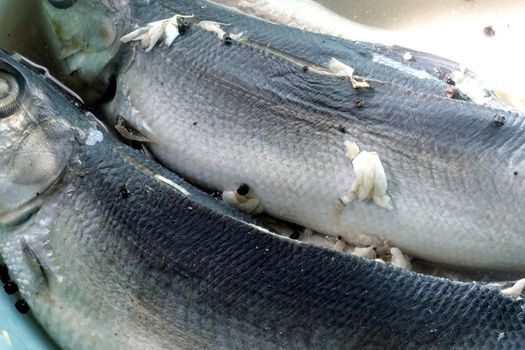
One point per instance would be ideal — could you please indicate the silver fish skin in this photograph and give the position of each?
(246, 112)
(115, 252)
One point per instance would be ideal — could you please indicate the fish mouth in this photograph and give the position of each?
(87, 72)
(82, 41)
(84, 61)
(77, 64)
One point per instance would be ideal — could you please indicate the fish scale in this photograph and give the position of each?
(278, 129)
(320, 48)
(145, 270)
(232, 277)
(236, 279)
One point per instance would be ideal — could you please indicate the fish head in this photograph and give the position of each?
(35, 141)
(84, 37)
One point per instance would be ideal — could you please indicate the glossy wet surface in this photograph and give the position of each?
(442, 27)
(483, 35)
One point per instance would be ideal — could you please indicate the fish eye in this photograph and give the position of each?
(62, 4)
(12, 88)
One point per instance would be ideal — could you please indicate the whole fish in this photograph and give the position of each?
(111, 251)
(276, 119)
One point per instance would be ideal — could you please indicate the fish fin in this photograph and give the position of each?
(40, 261)
(37, 265)
(127, 131)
